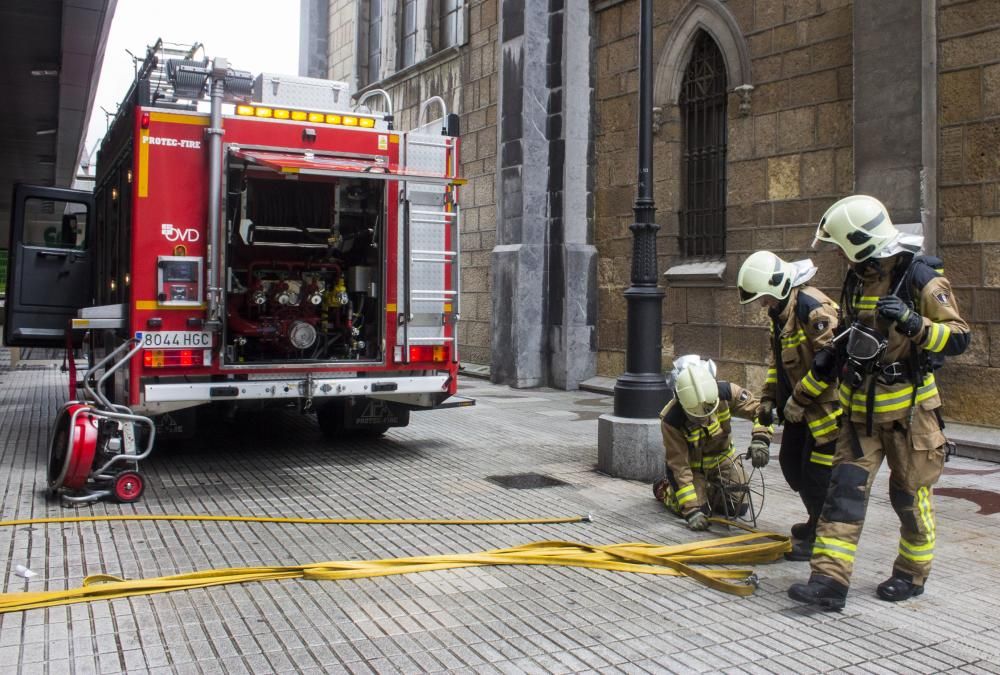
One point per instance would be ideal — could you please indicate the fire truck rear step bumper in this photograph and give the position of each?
(292, 388)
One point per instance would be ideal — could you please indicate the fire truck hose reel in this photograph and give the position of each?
(750, 548)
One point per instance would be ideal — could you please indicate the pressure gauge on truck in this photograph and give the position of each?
(178, 280)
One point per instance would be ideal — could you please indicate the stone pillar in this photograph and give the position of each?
(895, 126)
(543, 268)
(573, 259)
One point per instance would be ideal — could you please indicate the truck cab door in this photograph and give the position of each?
(49, 266)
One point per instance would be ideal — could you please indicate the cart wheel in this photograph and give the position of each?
(128, 486)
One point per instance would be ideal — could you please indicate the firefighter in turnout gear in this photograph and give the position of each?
(704, 473)
(803, 321)
(901, 318)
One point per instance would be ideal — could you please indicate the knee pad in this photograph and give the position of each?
(846, 499)
(902, 503)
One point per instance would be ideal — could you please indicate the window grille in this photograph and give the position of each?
(703, 120)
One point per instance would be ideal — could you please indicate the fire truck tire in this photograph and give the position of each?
(128, 486)
(330, 416)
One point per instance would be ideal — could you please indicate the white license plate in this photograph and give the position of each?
(176, 339)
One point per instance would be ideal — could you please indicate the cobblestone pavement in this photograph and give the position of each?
(508, 619)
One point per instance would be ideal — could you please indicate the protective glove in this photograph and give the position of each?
(759, 453)
(893, 308)
(697, 521)
(794, 411)
(765, 412)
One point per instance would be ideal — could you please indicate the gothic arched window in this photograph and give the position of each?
(703, 120)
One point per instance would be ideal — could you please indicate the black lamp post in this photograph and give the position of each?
(641, 392)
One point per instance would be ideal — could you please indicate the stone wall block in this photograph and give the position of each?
(766, 134)
(970, 50)
(783, 177)
(703, 340)
(818, 175)
(815, 88)
(955, 231)
(986, 228)
(796, 129)
(746, 345)
(982, 161)
(959, 201)
(959, 96)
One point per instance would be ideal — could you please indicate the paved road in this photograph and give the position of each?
(508, 619)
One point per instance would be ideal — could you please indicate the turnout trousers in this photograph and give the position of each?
(915, 453)
(805, 465)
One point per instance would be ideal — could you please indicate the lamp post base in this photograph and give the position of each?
(630, 448)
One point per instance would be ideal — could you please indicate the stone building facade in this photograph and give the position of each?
(814, 100)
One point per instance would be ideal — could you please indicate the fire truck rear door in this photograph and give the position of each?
(49, 270)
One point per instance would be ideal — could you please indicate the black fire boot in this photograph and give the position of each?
(805, 533)
(802, 549)
(804, 530)
(822, 592)
(898, 587)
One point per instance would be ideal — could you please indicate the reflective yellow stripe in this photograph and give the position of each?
(772, 376)
(836, 543)
(865, 302)
(916, 552)
(686, 494)
(725, 415)
(714, 428)
(712, 461)
(937, 337)
(889, 401)
(926, 512)
(812, 385)
(825, 425)
(835, 548)
(831, 553)
(793, 340)
(821, 458)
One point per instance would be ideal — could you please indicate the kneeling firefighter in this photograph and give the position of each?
(901, 318)
(704, 473)
(803, 321)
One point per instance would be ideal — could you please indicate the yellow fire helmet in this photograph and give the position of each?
(764, 273)
(697, 390)
(859, 225)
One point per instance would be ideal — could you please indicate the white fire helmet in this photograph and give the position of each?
(697, 390)
(764, 273)
(859, 225)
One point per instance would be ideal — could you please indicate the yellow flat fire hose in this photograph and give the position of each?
(749, 548)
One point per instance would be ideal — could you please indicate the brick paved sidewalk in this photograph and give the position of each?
(508, 619)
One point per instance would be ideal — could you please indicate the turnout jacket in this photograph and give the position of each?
(807, 323)
(904, 373)
(702, 445)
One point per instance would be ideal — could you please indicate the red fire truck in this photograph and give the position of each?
(250, 242)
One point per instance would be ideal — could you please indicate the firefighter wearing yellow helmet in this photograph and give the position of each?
(803, 320)
(901, 318)
(697, 438)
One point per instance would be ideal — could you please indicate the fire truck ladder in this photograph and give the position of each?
(431, 247)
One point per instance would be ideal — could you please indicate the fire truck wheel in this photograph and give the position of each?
(330, 416)
(128, 486)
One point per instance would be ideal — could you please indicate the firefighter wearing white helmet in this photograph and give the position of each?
(697, 439)
(901, 319)
(803, 320)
